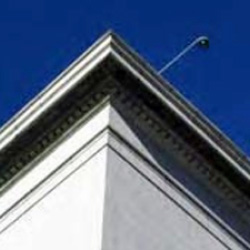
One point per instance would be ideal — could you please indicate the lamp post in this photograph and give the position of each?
(202, 42)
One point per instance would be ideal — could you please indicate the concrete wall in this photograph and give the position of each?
(68, 217)
(141, 215)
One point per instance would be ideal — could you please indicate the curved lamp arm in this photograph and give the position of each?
(202, 42)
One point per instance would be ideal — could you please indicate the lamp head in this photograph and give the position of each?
(203, 42)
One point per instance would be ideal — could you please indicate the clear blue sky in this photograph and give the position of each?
(40, 38)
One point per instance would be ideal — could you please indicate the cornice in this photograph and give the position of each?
(44, 134)
(110, 45)
(182, 108)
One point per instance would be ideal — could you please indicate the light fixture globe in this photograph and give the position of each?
(204, 42)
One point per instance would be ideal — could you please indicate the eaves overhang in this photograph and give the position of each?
(233, 163)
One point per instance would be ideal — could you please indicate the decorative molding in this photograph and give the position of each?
(81, 108)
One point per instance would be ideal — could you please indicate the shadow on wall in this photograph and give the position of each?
(167, 157)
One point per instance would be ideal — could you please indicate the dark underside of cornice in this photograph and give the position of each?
(76, 104)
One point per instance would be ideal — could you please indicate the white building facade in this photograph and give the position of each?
(111, 157)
